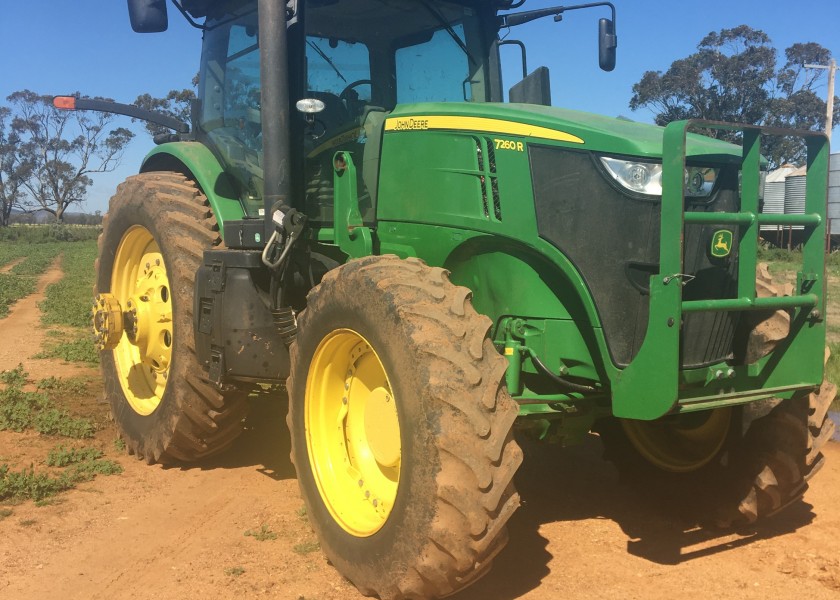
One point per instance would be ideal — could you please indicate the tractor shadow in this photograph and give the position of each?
(576, 484)
(264, 442)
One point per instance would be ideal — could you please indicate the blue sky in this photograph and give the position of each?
(54, 47)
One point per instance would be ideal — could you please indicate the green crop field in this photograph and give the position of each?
(27, 251)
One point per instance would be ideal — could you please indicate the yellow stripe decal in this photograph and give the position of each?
(479, 124)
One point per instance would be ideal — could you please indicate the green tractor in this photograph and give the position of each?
(355, 213)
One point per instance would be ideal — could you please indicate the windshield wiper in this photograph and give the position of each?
(320, 52)
(448, 28)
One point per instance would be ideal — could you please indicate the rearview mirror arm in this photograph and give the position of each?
(514, 19)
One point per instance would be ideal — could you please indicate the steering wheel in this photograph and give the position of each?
(344, 95)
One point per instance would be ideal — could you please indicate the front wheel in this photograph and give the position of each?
(154, 236)
(401, 429)
(736, 465)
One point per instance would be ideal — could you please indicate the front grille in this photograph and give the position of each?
(612, 239)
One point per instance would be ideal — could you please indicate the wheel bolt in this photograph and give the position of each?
(361, 483)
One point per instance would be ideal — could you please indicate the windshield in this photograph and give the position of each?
(404, 51)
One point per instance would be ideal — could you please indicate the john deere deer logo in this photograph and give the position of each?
(721, 243)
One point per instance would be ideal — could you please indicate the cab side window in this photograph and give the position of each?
(337, 74)
(231, 103)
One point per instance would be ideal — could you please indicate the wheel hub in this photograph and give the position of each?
(140, 294)
(353, 432)
(107, 321)
(148, 320)
(382, 428)
(681, 443)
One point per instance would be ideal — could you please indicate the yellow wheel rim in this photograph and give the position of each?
(682, 443)
(352, 432)
(144, 352)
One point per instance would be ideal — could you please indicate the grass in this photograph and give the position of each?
(38, 258)
(39, 246)
(68, 301)
(29, 485)
(78, 464)
(264, 533)
(44, 234)
(234, 571)
(21, 410)
(12, 289)
(75, 386)
(74, 350)
(14, 377)
(67, 304)
(306, 547)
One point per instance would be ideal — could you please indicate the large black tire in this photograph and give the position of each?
(763, 467)
(193, 419)
(458, 456)
(772, 449)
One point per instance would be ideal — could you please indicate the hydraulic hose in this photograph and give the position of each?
(564, 383)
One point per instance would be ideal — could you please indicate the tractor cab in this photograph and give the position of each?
(349, 64)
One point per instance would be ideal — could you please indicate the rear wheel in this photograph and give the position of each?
(154, 235)
(401, 429)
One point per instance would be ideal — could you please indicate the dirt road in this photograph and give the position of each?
(174, 533)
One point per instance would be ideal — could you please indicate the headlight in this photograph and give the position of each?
(646, 177)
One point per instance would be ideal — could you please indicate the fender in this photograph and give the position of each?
(195, 161)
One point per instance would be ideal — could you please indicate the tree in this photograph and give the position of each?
(733, 77)
(176, 103)
(13, 170)
(61, 149)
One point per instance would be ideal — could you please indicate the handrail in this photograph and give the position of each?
(747, 218)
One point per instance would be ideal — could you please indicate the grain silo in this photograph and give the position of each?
(834, 196)
(795, 194)
(774, 202)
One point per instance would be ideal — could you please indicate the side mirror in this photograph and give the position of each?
(148, 16)
(607, 43)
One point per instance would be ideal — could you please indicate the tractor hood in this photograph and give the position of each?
(590, 131)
